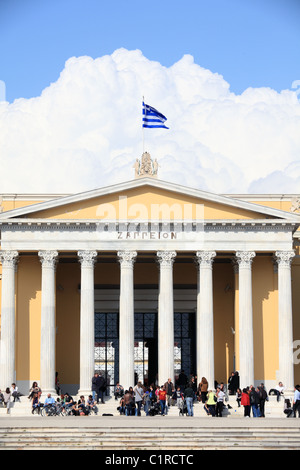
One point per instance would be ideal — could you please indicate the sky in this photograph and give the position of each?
(225, 73)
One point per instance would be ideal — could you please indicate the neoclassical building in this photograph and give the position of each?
(142, 279)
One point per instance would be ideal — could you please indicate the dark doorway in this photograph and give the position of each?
(145, 347)
(107, 348)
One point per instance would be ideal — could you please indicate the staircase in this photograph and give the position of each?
(152, 436)
(20, 430)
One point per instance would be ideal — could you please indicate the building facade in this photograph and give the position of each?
(142, 279)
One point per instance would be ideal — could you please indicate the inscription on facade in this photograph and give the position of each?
(147, 235)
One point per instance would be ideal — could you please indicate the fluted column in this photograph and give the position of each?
(205, 318)
(166, 317)
(126, 321)
(7, 349)
(246, 348)
(285, 318)
(47, 374)
(87, 259)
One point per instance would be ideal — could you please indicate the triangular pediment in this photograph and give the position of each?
(147, 199)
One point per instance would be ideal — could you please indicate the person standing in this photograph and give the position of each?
(169, 387)
(100, 387)
(189, 398)
(296, 401)
(245, 402)
(162, 396)
(182, 380)
(203, 388)
(138, 398)
(210, 405)
(254, 402)
(220, 402)
(262, 394)
(94, 386)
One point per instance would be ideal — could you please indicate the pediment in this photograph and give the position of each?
(147, 199)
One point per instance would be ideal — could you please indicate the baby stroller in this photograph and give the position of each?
(154, 409)
(183, 408)
(288, 410)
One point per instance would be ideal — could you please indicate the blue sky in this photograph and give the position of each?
(251, 43)
(226, 73)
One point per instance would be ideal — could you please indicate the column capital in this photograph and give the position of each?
(127, 258)
(284, 258)
(87, 258)
(205, 258)
(166, 258)
(9, 258)
(48, 258)
(244, 258)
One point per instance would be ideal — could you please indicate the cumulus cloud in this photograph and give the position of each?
(85, 131)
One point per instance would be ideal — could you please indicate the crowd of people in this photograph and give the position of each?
(65, 401)
(158, 399)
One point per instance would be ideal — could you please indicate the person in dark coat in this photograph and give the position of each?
(233, 383)
(182, 381)
(101, 387)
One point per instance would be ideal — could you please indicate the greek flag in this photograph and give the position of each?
(152, 117)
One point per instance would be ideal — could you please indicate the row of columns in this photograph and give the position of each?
(205, 322)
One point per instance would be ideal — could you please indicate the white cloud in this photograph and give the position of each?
(84, 131)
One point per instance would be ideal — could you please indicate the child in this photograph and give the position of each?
(178, 396)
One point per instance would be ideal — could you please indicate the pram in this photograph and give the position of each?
(183, 408)
(154, 409)
(288, 410)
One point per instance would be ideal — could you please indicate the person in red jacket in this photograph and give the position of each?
(162, 396)
(245, 402)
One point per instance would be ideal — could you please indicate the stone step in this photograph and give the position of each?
(272, 408)
(56, 439)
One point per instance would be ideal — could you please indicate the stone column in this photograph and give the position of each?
(87, 259)
(205, 318)
(7, 349)
(47, 363)
(166, 317)
(246, 348)
(126, 319)
(285, 318)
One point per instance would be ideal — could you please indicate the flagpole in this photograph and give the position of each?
(143, 130)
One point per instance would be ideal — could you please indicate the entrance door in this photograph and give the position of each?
(145, 348)
(184, 343)
(107, 348)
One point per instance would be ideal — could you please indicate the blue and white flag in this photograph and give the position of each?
(152, 117)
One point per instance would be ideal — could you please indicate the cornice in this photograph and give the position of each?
(140, 225)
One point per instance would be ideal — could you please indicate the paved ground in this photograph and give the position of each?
(143, 421)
